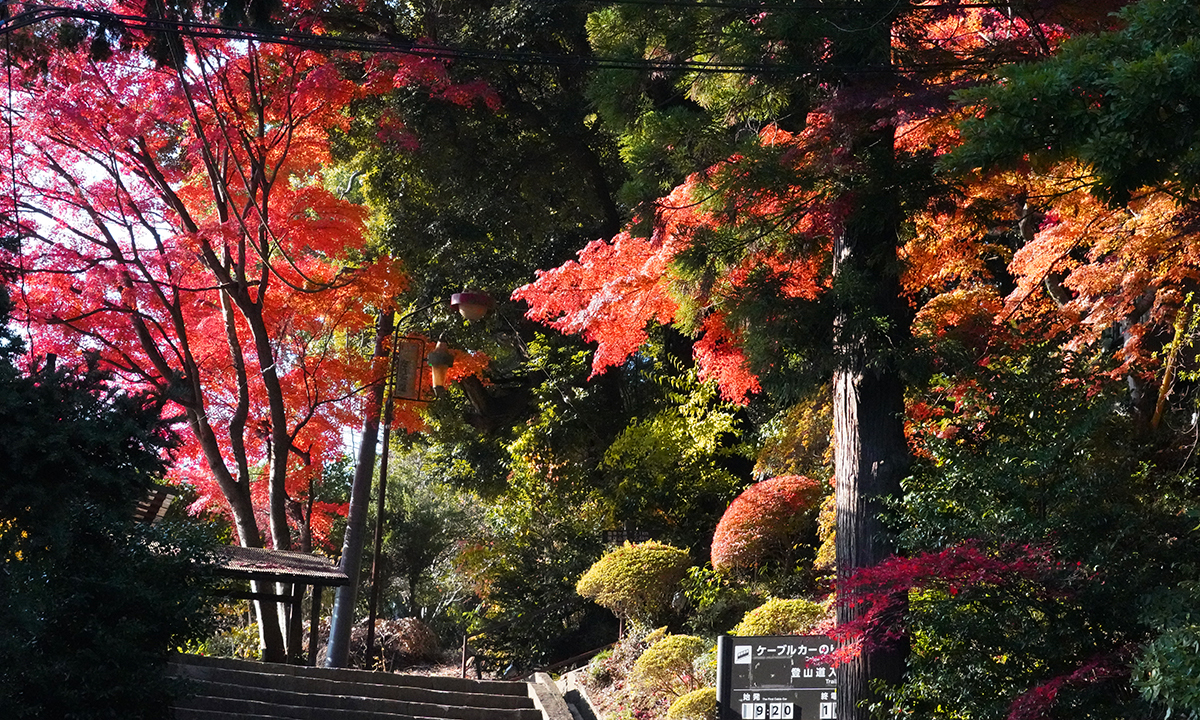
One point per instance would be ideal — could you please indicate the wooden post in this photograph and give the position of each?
(314, 625)
(295, 639)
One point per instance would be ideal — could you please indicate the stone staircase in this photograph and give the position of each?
(224, 689)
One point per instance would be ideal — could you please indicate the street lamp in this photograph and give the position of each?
(439, 361)
(471, 304)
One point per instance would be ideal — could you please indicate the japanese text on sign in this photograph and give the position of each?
(776, 678)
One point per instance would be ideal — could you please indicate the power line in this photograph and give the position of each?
(807, 6)
(45, 13)
(333, 42)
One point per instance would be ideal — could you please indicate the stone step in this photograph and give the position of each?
(226, 689)
(351, 697)
(432, 682)
(238, 709)
(179, 713)
(376, 686)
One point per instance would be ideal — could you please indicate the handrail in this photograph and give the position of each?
(500, 626)
(571, 661)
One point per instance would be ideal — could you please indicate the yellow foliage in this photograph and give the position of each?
(7, 527)
(635, 580)
(781, 617)
(697, 705)
(798, 441)
(665, 668)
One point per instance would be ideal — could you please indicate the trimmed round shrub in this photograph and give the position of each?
(781, 617)
(666, 666)
(697, 705)
(635, 580)
(766, 522)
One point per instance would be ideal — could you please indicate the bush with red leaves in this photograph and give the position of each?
(768, 523)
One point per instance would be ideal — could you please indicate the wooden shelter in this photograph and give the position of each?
(274, 568)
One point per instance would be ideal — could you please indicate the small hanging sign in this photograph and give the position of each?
(409, 354)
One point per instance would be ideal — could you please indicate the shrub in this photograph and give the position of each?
(523, 564)
(600, 671)
(398, 643)
(1043, 550)
(666, 666)
(781, 617)
(611, 670)
(766, 523)
(238, 641)
(716, 602)
(697, 705)
(91, 602)
(232, 635)
(704, 667)
(635, 580)
(1166, 673)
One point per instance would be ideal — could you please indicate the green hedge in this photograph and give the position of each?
(635, 580)
(781, 617)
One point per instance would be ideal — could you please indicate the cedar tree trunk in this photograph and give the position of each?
(870, 333)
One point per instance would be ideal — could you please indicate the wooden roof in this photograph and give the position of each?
(278, 566)
(152, 507)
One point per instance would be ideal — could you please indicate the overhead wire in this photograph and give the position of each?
(42, 13)
(809, 6)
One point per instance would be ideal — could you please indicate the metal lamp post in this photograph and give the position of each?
(473, 306)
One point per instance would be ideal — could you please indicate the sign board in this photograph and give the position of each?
(774, 677)
(410, 354)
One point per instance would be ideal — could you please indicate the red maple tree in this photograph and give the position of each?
(176, 223)
(617, 288)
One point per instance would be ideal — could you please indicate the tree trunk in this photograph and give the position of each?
(870, 460)
(338, 652)
(280, 439)
(237, 423)
(870, 332)
(237, 494)
(272, 621)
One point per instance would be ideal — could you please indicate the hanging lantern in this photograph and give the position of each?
(471, 304)
(439, 361)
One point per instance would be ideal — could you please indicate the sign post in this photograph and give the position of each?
(774, 677)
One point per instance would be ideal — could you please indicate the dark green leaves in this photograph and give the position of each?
(1125, 103)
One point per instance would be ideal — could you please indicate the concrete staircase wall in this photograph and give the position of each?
(224, 689)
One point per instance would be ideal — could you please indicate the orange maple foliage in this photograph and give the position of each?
(618, 287)
(1082, 272)
(1081, 269)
